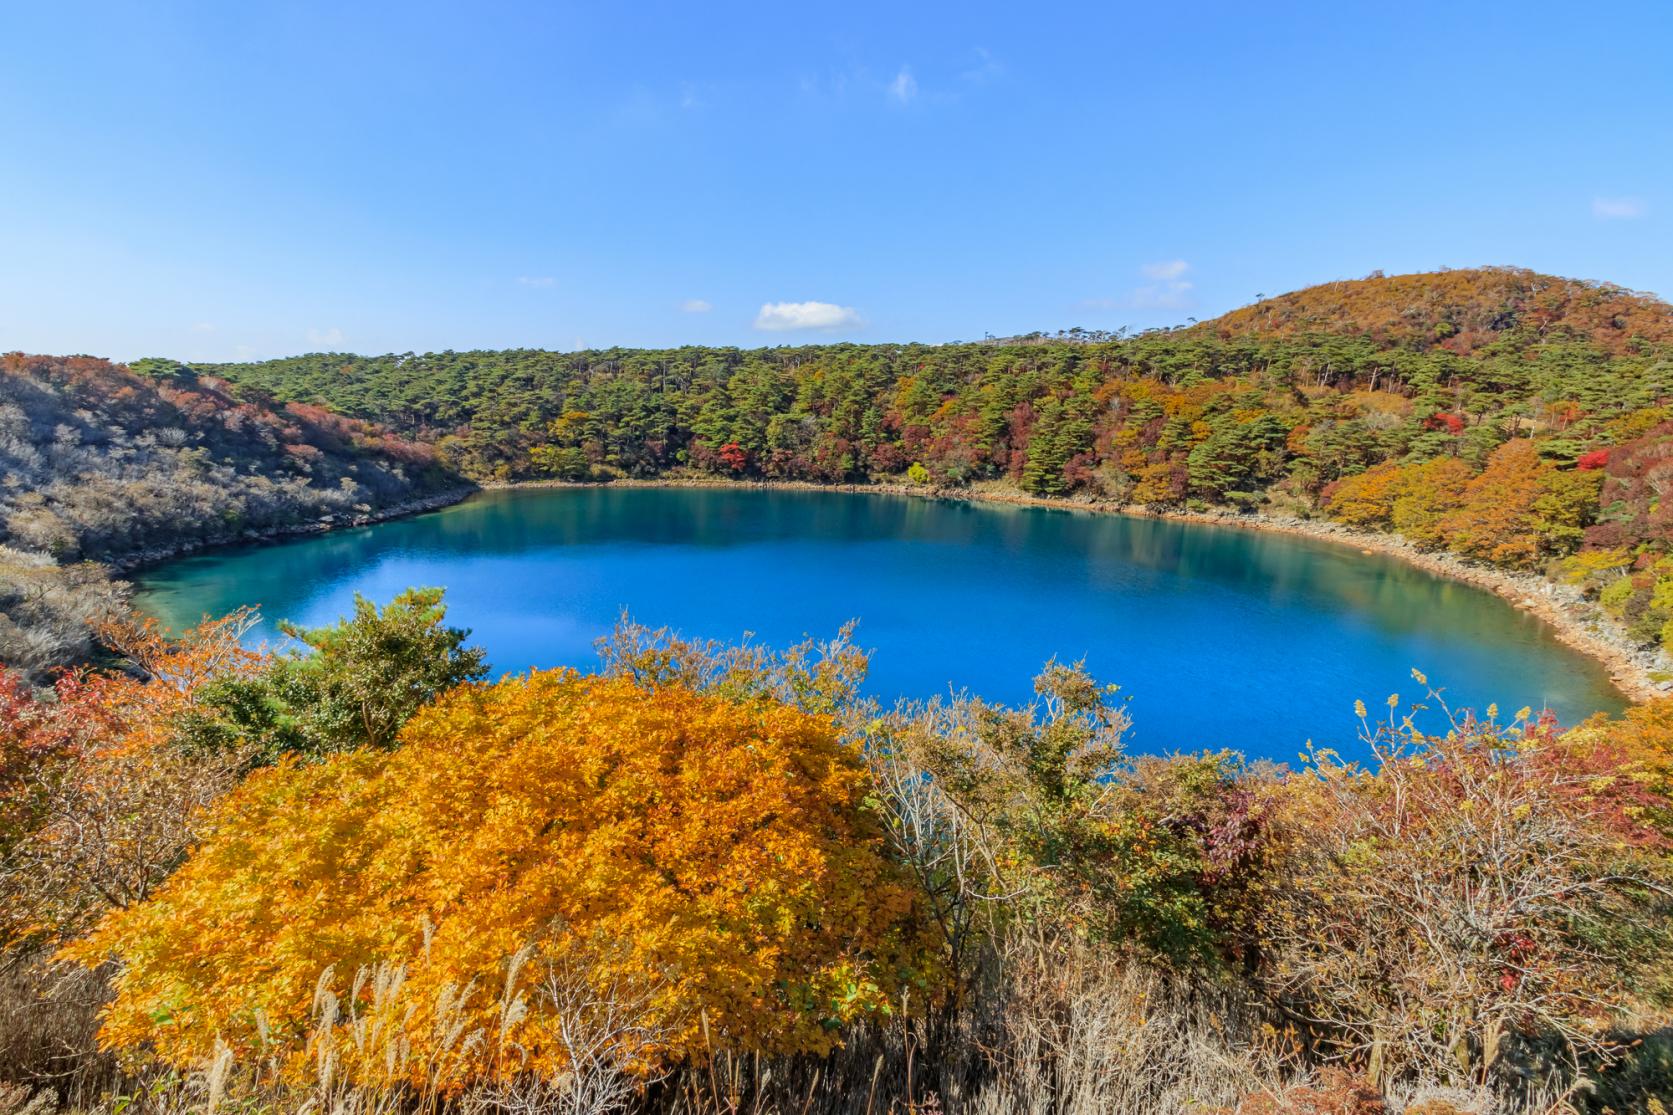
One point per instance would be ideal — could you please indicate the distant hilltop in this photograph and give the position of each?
(1459, 310)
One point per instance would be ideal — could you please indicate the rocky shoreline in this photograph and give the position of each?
(1639, 673)
(1578, 623)
(138, 560)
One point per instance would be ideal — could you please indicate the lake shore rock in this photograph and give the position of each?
(435, 501)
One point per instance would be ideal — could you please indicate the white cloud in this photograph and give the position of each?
(1618, 208)
(1168, 289)
(696, 306)
(535, 280)
(870, 85)
(203, 327)
(784, 317)
(904, 87)
(1167, 270)
(332, 336)
(1164, 296)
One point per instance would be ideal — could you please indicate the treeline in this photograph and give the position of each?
(1508, 416)
(102, 463)
(718, 879)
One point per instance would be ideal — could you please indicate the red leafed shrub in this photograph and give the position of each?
(1636, 473)
(1451, 423)
(734, 456)
(413, 453)
(41, 735)
(1595, 459)
(888, 457)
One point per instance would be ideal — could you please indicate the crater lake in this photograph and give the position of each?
(1217, 636)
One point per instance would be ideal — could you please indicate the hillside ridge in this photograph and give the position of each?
(103, 464)
(1459, 310)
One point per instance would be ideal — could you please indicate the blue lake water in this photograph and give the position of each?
(1219, 637)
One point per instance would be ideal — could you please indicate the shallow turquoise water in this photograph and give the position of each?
(1219, 636)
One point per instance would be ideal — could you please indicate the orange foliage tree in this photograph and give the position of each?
(1411, 499)
(707, 852)
(1365, 499)
(1521, 508)
(1426, 494)
(1640, 746)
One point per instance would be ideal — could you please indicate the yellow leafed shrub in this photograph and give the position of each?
(710, 855)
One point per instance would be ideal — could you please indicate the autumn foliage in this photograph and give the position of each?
(1520, 509)
(1459, 310)
(1494, 883)
(97, 805)
(708, 852)
(560, 885)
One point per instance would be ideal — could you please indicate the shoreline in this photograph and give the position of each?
(1575, 622)
(435, 501)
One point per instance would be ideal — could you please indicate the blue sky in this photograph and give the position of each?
(227, 180)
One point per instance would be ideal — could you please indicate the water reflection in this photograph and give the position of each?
(1222, 636)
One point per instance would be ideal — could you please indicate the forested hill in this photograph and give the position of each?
(1509, 416)
(1461, 312)
(1488, 346)
(101, 463)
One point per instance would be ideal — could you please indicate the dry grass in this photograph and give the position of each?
(48, 1017)
(1115, 1039)
(1052, 1033)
